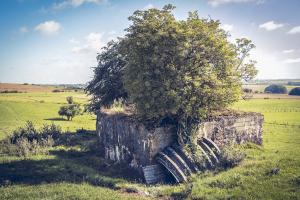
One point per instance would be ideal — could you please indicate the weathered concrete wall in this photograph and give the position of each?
(233, 129)
(125, 141)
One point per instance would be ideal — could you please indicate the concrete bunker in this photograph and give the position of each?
(154, 152)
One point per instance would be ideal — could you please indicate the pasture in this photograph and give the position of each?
(40, 108)
(69, 172)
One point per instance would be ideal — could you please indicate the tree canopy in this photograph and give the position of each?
(276, 89)
(168, 68)
(295, 91)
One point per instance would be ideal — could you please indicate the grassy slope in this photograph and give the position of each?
(57, 175)
(281, 149)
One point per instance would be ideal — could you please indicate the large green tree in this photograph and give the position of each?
(182, 69)
(172, 69)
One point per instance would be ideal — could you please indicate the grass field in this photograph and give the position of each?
(68, 172)
(40, 107)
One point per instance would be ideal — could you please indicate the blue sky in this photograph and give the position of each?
(43, 41)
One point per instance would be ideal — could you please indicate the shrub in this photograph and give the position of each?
(28, 140)
(70, 110)
(231, 155)
(10, 91)
(70, 100)
(276, 89)
(247, 90)
(56, 90)
(295, 91)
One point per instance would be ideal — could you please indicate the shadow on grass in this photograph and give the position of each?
(83, 164)
(56, 119)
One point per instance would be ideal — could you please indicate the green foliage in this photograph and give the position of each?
(27, 140)
(182, 69)
(30, 132)
(172, 69)
(295, 91)
(231, 156)
(107, 84)
(16, 109)
(276, 89)
(70, 110)
(70, 100)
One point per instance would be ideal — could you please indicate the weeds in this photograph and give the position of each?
(231, 156)
(26, 141)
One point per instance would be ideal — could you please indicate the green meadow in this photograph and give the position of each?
(40, 108)
(69, 172)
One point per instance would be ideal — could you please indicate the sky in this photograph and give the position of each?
(57, 41)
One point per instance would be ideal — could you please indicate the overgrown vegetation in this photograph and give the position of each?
(231, 156)
(171, 70)
(28, 140)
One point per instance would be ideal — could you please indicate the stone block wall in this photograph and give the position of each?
(233, 129)
(125, 141)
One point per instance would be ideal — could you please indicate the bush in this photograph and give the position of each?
(10, 91)
(70, 110)
(56, 90)
(26, 141)
(295, 91)
(231, 156)
(276, 89)
(247, 90)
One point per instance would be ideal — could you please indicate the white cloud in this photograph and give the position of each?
(93, 43)
(112, 32)
(292, 60)
(48, 28)
(74, 3)
(294, 30)
(23, 29)
(216, 3)
(288, 51)
(149, 6)
(271, 26)
(227, 27)
(74, 41)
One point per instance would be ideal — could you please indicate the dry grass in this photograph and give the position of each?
(25, 87)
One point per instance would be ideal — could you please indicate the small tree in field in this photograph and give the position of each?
(70, 100)
(70, 110)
